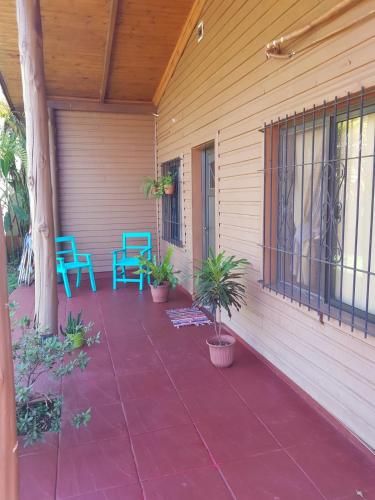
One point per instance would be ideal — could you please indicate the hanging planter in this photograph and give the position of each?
(168, 184)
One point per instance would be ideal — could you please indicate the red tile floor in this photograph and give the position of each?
(166, 425)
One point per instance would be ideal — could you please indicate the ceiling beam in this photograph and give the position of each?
(180, 46)
(108, 48)
(129, 107)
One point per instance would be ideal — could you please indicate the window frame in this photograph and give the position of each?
(171, 230)
(324, 300)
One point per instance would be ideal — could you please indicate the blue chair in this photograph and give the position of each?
(74, 260)
(128, 256)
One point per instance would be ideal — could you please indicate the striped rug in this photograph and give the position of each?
(187, 316)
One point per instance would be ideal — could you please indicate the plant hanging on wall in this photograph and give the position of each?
(159, 187)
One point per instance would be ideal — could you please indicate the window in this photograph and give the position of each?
(319, 180)
(171, 206)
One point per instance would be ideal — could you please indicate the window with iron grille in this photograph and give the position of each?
(171, 205)
(319, 179)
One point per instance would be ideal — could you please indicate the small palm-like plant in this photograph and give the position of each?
(152, 187)
(160, 273)
(76, 331)
(218, 286)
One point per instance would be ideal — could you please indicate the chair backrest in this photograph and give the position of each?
(137, 246)
(69, 245)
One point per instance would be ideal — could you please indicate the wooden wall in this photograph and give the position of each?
(102, 159)
(224, 89)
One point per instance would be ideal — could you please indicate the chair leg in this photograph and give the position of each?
(140, 280)
(124, 273)
(78, 278)
(92, 279)
(114, 280)
(66, 284)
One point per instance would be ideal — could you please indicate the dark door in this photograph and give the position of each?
(208, 202)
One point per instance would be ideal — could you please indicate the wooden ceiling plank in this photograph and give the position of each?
(182, 41)
(108, 48)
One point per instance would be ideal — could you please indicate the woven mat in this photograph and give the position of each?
(187, 316)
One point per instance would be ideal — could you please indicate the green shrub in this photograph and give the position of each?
(36, 356)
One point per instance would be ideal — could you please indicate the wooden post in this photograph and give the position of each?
(30, 43)
(8, 432)
(53, 164)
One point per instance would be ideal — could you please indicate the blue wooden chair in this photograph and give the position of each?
(74, 260)
(128, 256)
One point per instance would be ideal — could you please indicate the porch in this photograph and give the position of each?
(167, 425)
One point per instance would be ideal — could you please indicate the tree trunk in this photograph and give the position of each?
(8, 432)
(39, 173)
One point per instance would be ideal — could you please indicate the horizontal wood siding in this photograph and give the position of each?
(225, 89)
(102, 159)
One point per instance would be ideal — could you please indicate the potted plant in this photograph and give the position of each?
(152, 187)
(168, 183)
(37, 358)
(75, 330)
(163, 275)
(218, 286)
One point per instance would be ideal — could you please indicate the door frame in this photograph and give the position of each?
(197, 199)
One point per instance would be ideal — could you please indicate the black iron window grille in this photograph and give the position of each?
(171, 205)
(319, 182)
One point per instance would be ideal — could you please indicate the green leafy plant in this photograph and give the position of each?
(14, 196)
(160, 273)
(76, 331)
(218, 286)
(152, 187)
(155, 187)
(38, 358)
(168, 179)
(81, 419)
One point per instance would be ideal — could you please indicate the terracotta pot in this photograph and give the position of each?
(160, 293)
(222, 355)
(169, 189)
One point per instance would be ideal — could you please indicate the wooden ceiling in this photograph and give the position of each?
(102, 50)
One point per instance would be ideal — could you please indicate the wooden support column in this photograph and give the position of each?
(8, 432)
(54, 174)
(30, 43)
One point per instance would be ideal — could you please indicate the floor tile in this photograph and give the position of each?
(95, 466)
(358, 495)
(269, 476)
(50, 442)
(231, 438)
(169, 451)
(212, 403)
(129, 492)
(295, 422)
(152, 414)
(196, 484)
(258, 385)
(349, 469)
(89, 390)
(138, 384)
(43, 467)
(133, 354)
(205, 377)
(106, 422)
